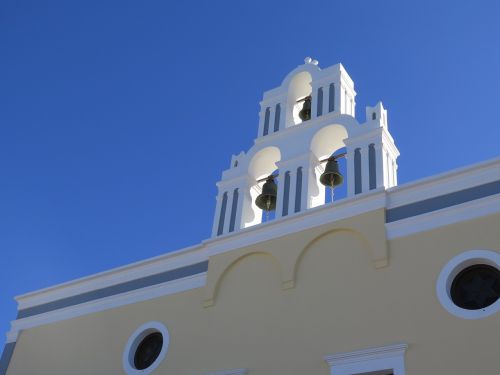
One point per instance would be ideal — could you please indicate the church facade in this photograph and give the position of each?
(296, 278)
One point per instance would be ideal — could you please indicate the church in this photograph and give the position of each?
(319, 263)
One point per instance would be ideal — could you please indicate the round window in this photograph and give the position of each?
(145, 349)
(476, 287)
(148, 350)
(469, 284)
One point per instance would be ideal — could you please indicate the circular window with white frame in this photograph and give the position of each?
(145, 349)
(469, 284)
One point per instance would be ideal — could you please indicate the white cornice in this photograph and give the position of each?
(169, 261)
(367, 354)
(364, 139)
(454, 214)
(143, 294)
(444, 183)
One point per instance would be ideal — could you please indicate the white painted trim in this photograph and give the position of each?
(450, 215)
(389, 357)
(452, 268)
(134, 271)
(239, 371)
(310, 218)
(445, 183)
(139, 295)
(134, 341)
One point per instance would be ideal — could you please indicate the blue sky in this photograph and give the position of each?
(117, 117)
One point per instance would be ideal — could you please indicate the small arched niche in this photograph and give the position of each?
(299, 88)
(325, 143)
(263, 164)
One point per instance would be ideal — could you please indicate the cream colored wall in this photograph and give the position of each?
(261, 317)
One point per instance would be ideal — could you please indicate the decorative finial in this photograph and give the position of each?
(309, 60)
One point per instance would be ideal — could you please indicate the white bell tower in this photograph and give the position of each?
(294, 143)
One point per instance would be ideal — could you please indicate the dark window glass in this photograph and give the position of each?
(476, 287)
(148, 350)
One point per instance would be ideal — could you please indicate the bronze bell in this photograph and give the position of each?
(331, 177)
(267, 199)
(305, 112)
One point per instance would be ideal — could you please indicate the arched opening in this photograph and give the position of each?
(339, 192)
(270, 215)
(298, 90)
(327, 142)
(262, 165)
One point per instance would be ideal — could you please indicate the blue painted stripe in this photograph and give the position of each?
(8, 350)
(442, 201)
(159, 278)
(357, 171)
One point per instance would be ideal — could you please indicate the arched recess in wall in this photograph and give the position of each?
(263, 163)
(299, 88)
(360, 237)
(237, 263)
(324, 143)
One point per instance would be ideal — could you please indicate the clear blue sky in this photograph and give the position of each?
(117, 117)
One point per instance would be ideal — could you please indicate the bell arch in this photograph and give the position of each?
(263, 163)
(324, 143)
(299, 88)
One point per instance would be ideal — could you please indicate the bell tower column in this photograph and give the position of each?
(293, 189)
(365, 169)
(283, 181)
(230, 203)
(379, 164)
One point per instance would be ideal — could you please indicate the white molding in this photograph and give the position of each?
(134, 341)
(239, 371)
(106, 303)
(450, 215)
(445, 183)
(166, 262)
(452, 268)
(390, 357)
(295, 222)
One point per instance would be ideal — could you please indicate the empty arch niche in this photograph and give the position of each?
(251, 276)
(333, 256)
(325, 143)
(262, 165)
